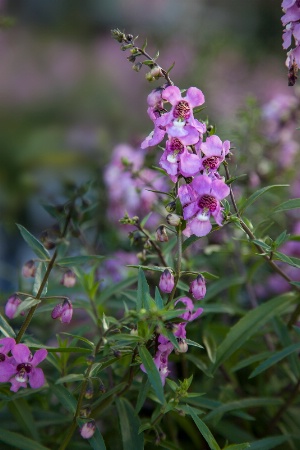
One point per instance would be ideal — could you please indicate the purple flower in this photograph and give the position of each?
(63, 311)
(21, 368)
(12, 305)
(155, 103)
(200, 201)
(166, 282)
(214, 153)
(188, 315)
(28, 270)
(198, 288)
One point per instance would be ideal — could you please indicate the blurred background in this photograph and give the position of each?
(69, 96)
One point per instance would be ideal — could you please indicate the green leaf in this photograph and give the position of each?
(256, 195)
(286, 206)
(115, 288)
(284, 335)
(152, 373)
(38, 278)
(143, 392)
(237, 446)
(250, 360)
(158, 299)
(19, 441)
(189, 241)
(96, 441)
(142, 291)
(249, 324)
(72, 377)
(23, 416)
(275, 358)
(78, 260)
(33, 243)
(284, 258)
(210, 345)
(204, 430)
(153, 268)
(268, 443)
(61, 349)
(129, 424)
(222, 284)
(65, 398)
(193, 343)
(29, 302)
(5, 328)
(80, 338)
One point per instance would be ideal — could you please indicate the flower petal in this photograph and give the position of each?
(21, 353)
(195, 97)
(7, 370)
(36, 378)
(172, 94)
(199, 227)
(39, 356)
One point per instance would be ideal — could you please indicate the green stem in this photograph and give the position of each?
(31, 312)
(178, 263)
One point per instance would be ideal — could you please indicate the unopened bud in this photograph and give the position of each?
(117, 354)
(198, 288)
(171, 207)
(12, 305)
(89, 391)
(161, 234)
(173, 219)
(88, 429)
(28, 270)
(68, 279)
(137, 66)
(85, 412)
(102, 388)
(90, 360)
(154, 74)
(183, 347)
(50, 237)
(63, 311)
(166, 282)
(147, 245)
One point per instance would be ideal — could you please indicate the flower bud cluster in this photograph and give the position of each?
(190, 156)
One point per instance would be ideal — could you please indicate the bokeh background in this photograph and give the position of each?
(69, 96)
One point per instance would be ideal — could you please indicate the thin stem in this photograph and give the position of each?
(154, 245)
(178, 263)
(44, 281)
(284, 407)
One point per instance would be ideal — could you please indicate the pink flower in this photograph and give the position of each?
(198, 288)
(21, 368)
(188, 315)
(166, 282)
(63, 311)
(6, 345)
(155, 103)
(28, 270)
(205, 194)
(214, 153)
(12, 305)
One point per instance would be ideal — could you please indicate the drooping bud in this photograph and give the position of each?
(102, 388)
(89, 390)
(12, 305)
(50, 237)
(198, 287)
(137, 66)
(183, 347)
(171, 207)
(88, 429)
(85, 412)
(166, 282)
(68, 279)
(161, 234)
(173, 219)
(90, 359)
(28, 270)
(63, 311)
(154, 74)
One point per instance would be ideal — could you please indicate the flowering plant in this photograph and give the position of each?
(168, 338)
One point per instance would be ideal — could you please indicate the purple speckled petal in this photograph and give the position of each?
(21, 353)
(170, 167)
(36, 378)
(195, 97)
(202, 184)
(187, 194)
(154, 138)
(213, 146)
(190, 210)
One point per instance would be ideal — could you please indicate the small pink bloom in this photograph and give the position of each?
(68, 279)
(214, 153)
(28, 270)
(198, 288)
(166, 282)
(12, 305)
(88, 429)
(188, 315)
(63, 311)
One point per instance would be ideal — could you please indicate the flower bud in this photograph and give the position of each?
(68, 279)
(102, 389)
(85, 412)
(88, 429)
(12, 305)
(137, 66)
(154, 74)
(90, 360)
(173, 219)
(171, 207)
(161, 234)
(198, 288)
(166, 282)
(63, 311)
(89, 390)
(183, 347)
(28, 270)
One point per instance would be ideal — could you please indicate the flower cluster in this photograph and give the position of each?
(165, 347)
(21, 367)
(187, 155)
(291, 22)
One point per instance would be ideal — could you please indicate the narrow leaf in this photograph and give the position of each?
(143, 290)
(204, 430)
(275, 358)
(19, 441)
(5, 328)
(158, 299)
(129, 424)
(38, 278)
(65, 398)
(26, 304)
(33, 243)
(72, 377)
(152, 373)
(249, 324)
(78, 260)
(268, 443)
(290, 204)
(115, 288)
(257, 194)
(23, 416)
(143, 392)
(237, 446)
